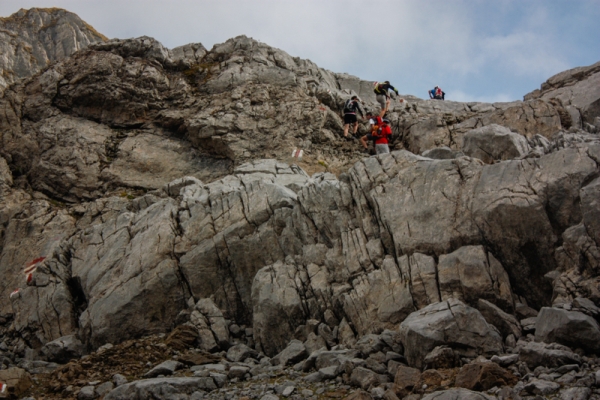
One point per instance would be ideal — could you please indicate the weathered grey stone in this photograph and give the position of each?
(393, 340)
(216, 320)
(119, 379)
(365, 378)
(104, 388)
(576, 89)
(87, 393)
(541, 387)
(330, 372)
(576, 393)
(292, 354)
(449, 323)
(471, 273)
(314, 343)
(25, 47)
(167, 367)
(441, 357)
(160, 388)
(552, 356)
(571, 328)
(506, 323)
(494, 142)
(63, 349)
(240, 352)
(237, 372)
(505, 361)
(451, 394)
(369, 344)
(442, 153)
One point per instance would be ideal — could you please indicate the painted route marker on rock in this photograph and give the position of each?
(31, 267)
(297, 154)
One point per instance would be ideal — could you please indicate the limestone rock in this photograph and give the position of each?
(577, 90)
(292, 354)
(570, 328)
(17, 380)
(452, 394)
(31, 39)
(494, 142)
(441, 153)
(484, 376)
(165, 368)
(548, 355)
(470, 273)
(449, 323)
(506, 323)
(63, 349)
(148, 388)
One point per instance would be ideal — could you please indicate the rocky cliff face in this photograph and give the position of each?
(147, 190)
(32, 39)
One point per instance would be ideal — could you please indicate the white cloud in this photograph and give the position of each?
(459, 95)
(471, 46)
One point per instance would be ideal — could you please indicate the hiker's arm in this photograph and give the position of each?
(362, 115)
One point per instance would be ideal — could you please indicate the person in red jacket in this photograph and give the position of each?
(382, 136)
(380, 133)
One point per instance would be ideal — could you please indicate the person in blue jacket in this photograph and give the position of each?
(437, 93)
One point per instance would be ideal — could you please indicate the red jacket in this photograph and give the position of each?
(383, 134)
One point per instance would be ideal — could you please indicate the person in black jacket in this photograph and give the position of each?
(381, 93)
(350, 108)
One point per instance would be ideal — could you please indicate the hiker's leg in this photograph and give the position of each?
(363, 141)
(355, 127)
(381, 98)
(346, 126)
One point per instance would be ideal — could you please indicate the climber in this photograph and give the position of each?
(437, 93)
(350, 108)
(375, 121)
(381, 93)
(380, 134)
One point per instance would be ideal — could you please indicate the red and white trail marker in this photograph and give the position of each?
(297, 153)
(31, 267)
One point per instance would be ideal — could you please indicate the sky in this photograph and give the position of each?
(475, 50)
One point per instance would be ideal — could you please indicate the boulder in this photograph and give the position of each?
(216, 320)
(158, 387)
(442, 153)
(63, 349)
(165, 368)
(292, 354)
(541, 387)
(471, 273)
(548, 355)
(450, 323)
(239, 352)
(405, 379)
(484, 376)
(441, 357)
(494, 142)
(504, 322)
(17, 380)
(366, 379)
(571, 328)
(452, 394)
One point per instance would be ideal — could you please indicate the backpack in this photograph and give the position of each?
(348, 107)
